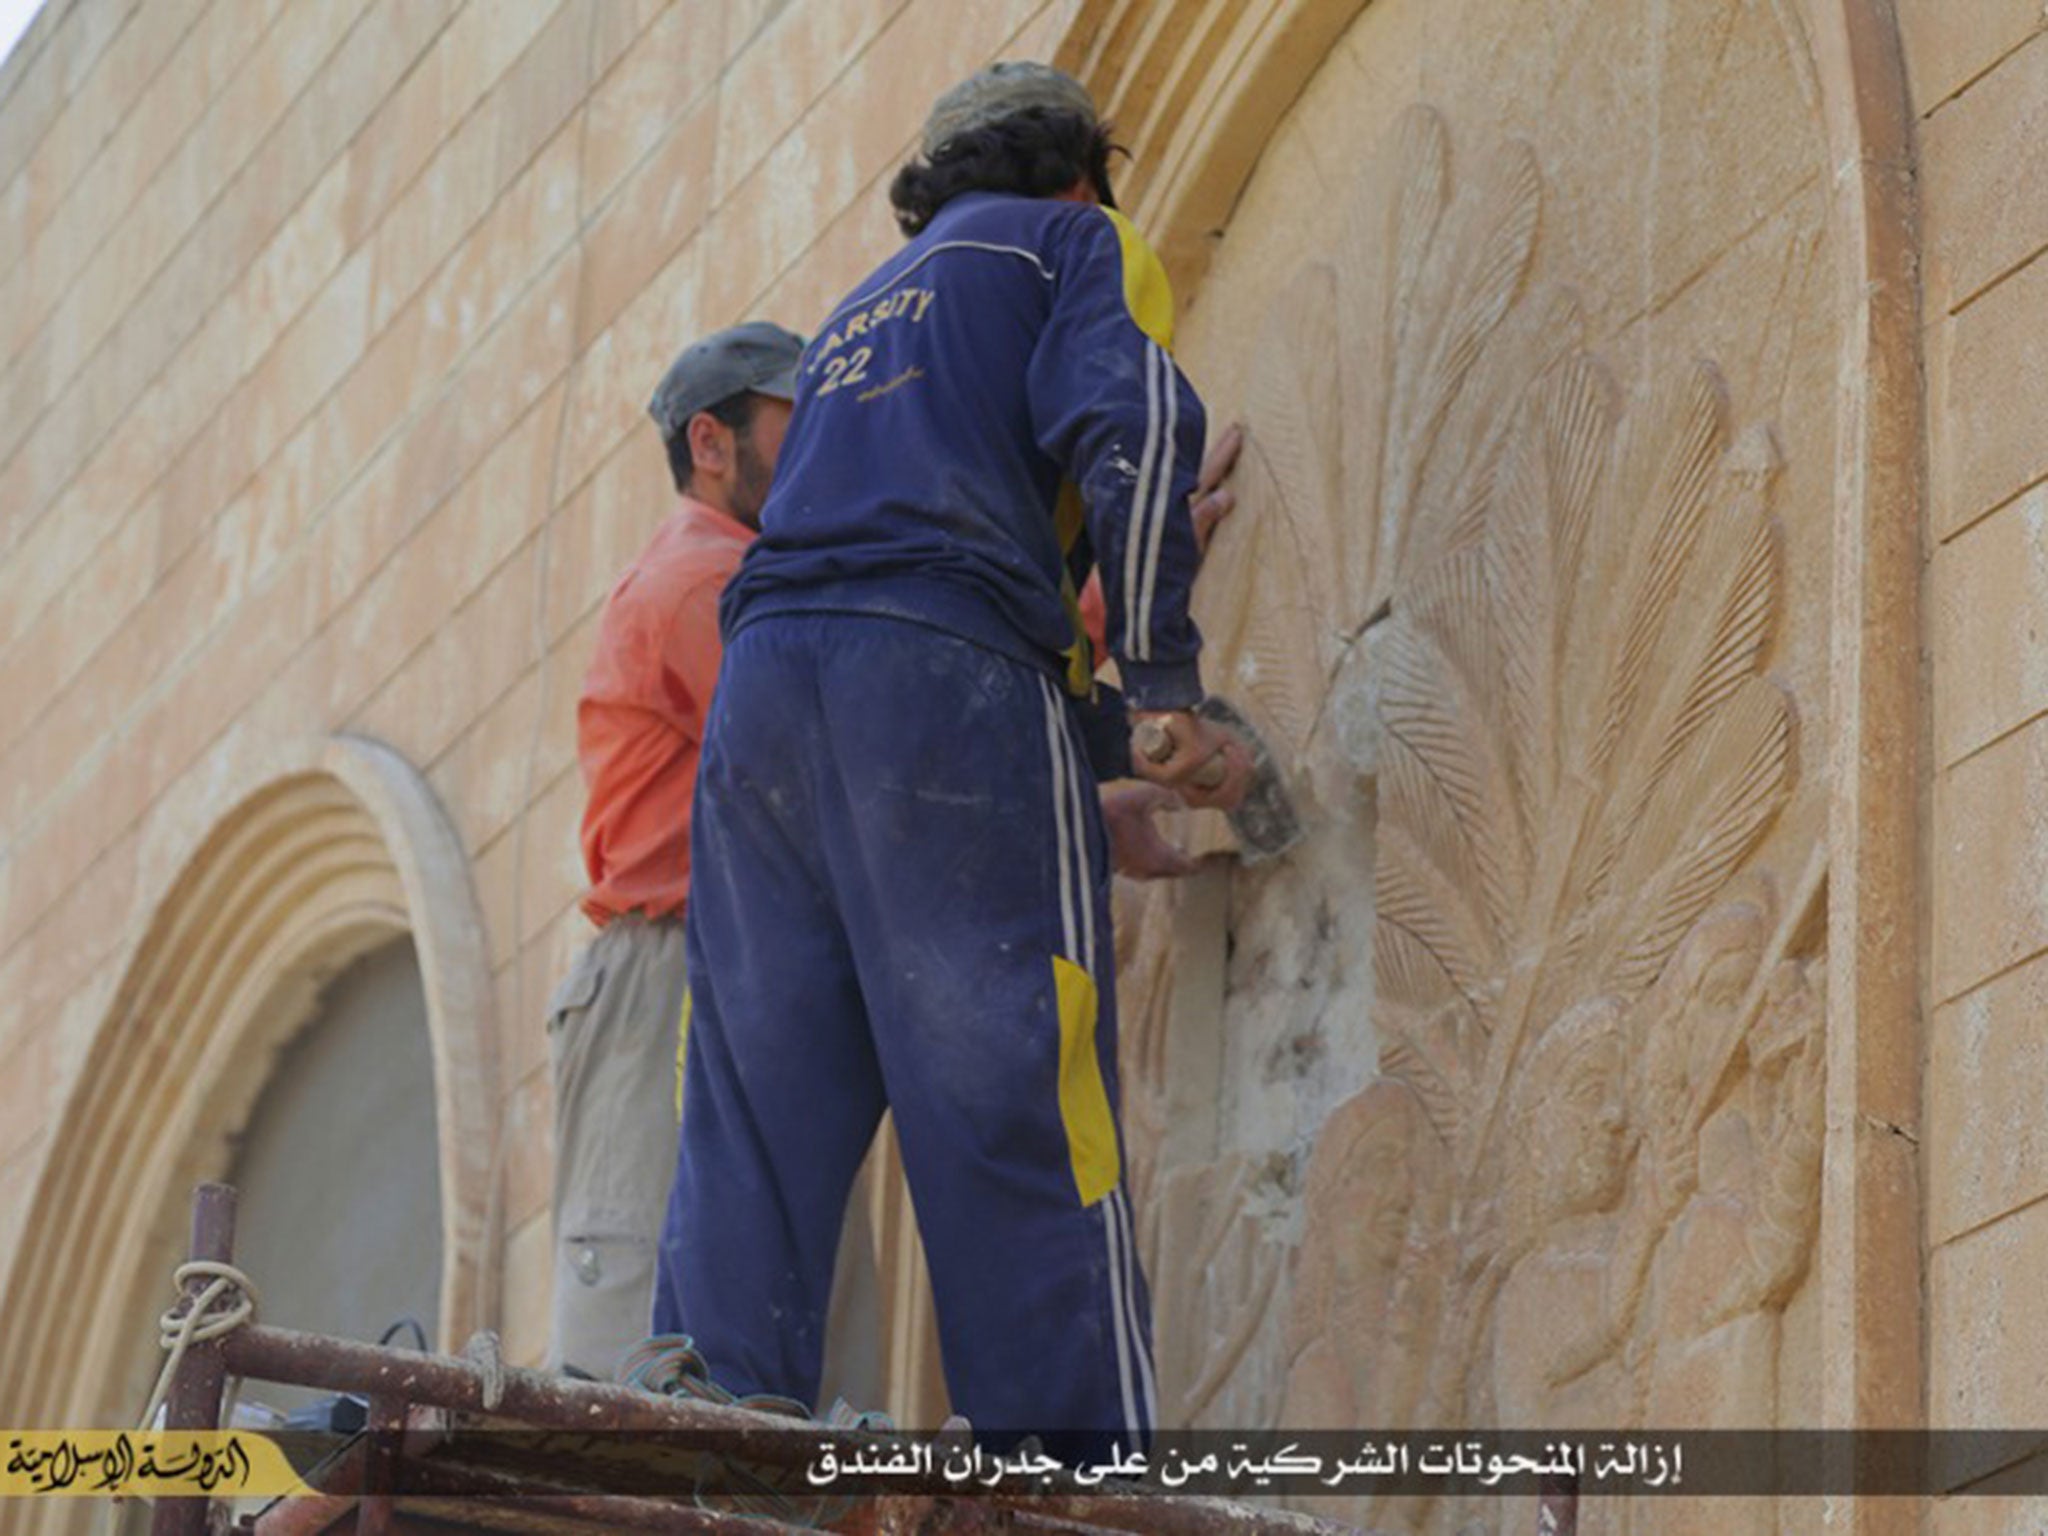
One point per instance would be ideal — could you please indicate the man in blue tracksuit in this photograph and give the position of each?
(900, 892)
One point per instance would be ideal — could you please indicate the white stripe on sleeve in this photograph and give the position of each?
(1141, 496)
(1162, 488)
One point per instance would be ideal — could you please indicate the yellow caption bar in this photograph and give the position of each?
(165, 1464)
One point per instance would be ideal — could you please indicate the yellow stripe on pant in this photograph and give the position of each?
(682, 1044)
(1084, 1101)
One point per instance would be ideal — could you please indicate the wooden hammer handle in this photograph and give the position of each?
(1154, 742)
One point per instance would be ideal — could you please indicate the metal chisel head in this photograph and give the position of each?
(1266, 822)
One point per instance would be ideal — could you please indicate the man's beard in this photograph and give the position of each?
(751, 478)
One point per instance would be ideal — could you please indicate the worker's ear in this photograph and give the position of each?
(711, 445)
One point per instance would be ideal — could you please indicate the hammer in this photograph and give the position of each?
(1264, 821)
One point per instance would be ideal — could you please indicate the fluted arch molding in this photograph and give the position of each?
(331, 848)
(1197, 88)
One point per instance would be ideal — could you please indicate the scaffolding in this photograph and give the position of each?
(390, 1482)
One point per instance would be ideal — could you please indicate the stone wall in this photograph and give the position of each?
(328, 327)
(1980, 87)
(1623, 381)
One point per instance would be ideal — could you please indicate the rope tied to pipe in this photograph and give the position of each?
(228, 1300)
(486, 1351)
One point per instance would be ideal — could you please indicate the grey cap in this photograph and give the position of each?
(998, 91)
(757, 357)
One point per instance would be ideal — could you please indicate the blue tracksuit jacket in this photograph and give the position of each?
(900, 881)
(1016, 347)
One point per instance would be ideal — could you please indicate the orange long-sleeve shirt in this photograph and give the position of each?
(640, 719)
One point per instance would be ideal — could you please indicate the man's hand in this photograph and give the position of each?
(1193, 743)
(1137, 850)
(1210, 502)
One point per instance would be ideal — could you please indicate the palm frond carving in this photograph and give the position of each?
(1581, 748)
(1378, 402)
(1552, 601)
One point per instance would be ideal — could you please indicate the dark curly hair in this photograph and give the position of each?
(1036, 152)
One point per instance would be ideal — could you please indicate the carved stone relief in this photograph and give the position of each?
(1217, 1219)
(1380, 1273)
(1509, 625)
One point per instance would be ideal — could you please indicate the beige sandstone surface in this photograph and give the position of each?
(1639, 573)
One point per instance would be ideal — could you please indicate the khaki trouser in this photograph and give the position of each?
(614, 1039)
(614, 1025)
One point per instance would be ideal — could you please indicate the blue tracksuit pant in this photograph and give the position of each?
(899, 895)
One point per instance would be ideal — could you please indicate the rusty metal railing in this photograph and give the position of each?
(398, 1381)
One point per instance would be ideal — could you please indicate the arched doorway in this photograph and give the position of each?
(336, 1171)
(335, 851)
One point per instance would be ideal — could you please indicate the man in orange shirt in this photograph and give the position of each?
(612, 1023)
